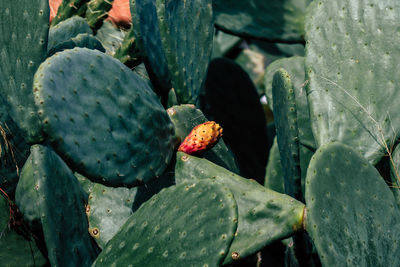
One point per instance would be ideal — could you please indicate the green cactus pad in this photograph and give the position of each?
(352, 216)
(81, 40)
(234, 103)
(295, 67)
(23, 44)
(110, 128)
(97, 12)
(285, 116)
(172, 101)
(49, 191)
(190, 224)
(185, 118)
(26, 196)
(281, 21)
(352, 63)
(264, 215)
(186, 29)
(86, 184)
(68, 9)
(147, 32)
(109, 207)
(274, 174)
(66, 30)
(16, 250)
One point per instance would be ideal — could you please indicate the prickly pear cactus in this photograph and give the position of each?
(273, 20)
(81, 40)
(186, 30)
(110, 128)
(264, 215)
(190, 224)
(66, 30)
(109, 207)
(285, 114)
(23, 46)
(107, 210)
(110, 37)
(352, 216)
(273, 173)
(351, 64)
(49, 193)
(295, 67)
(147, 32)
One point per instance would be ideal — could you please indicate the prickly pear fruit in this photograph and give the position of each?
(204, 136)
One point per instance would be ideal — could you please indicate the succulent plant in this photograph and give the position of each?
(111, 146)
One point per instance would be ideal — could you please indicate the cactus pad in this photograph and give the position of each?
(107, 210)
(352, 216)
(110, 37)
(23, 44)
(190, 224)
(285, 116)
(66, 30)
(147, 32)
(293, 65)
(48, 191)
(273, 20)
(273, 174)
(264, 215)
(81, 40)
(109, 207)
(351, 61)
(186, 29)
(110, 128)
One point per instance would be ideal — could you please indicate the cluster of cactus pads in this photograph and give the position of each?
(111, 146)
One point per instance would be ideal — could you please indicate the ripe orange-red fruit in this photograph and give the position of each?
(203, 137)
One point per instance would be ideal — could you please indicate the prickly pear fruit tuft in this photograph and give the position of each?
(204, 136)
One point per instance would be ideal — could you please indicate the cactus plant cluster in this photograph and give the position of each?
(111, 145)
